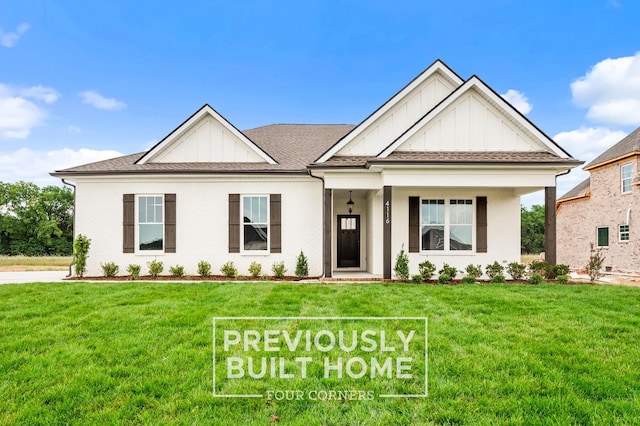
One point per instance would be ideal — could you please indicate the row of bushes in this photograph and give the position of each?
(229, 270)
(534, 273)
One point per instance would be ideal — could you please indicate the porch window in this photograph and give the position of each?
(625, 174)
(603, 237)
(447, 225)
(624, 232)
(150, 223)
(255, 223)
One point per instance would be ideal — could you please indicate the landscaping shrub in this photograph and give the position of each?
(204, 268)
(416, 279)
(229, 270)
(469, 279)
(177, 271)
(444, 279)
(278, 269)
(110, 269)
(563, 279)
(516, 270)
(494, 269)
(255, 269)
(560, 269)
(594, 267)
(426, 270)
(155, 268)
(302, 265)
(536, 279)
(134, 271)
(474, 271)
(80, 253)
(538, 267)
(401, 267)
(448, 270)
(498, 279)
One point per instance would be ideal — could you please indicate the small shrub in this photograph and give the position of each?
(204, 268)
(494, 269)
(278, 269)
(229, 270)
(536, 279)
(516, 270)
(177, 271)
(444, 279)
(416, 279)
(426, 270)
(538, 267)
(594, 267)
(255, 269)
(155, 268)
(474, 271)
(241, 278)
(302, 265)
(80, 253)
(560, 269)
(498, 279)
(401, 267)
(563, 279)
(110, 269)
(469, 279)
(448, 270)
(134, 271)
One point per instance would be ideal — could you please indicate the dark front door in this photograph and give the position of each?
(348, 241)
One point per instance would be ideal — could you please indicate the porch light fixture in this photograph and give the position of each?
(350, 203)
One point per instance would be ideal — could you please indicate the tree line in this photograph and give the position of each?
(532, 229)
(35, 221)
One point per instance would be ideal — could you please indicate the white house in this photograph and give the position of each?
(439, 169)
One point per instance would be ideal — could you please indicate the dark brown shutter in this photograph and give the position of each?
(275, 226)
(128, 223)
(481, 224)
(414, 224)
(169, 223)
(234, 223)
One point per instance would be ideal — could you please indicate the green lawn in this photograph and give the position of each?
(141, 353)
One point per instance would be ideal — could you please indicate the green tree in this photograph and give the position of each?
(532, 229)
(35, 221)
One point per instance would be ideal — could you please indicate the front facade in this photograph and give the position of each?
(603, 209)
(437, 170)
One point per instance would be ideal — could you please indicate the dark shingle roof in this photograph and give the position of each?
(580, 190)
(628, 145)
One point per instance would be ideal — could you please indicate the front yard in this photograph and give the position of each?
(141, 353)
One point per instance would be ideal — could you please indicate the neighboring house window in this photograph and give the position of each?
(255, 222)
(150, 222)
(624, 232)
(625, 172)
(603, 237)
(447, 225)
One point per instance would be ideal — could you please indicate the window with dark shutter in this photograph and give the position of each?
(275, 214)
(481, 224)
(414, 224)
(170, 223)
(234, 223)
(128, 223)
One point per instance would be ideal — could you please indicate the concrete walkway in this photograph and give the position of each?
(31, 277)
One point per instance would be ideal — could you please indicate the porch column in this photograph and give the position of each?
(326, 233)
(386, 232)
(550, 225)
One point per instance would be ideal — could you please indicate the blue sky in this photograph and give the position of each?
(81, 81)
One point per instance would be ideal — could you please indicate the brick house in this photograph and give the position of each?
(604, 210)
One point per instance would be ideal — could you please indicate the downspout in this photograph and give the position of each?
(322, 194)
(566, 172)
(74, 219)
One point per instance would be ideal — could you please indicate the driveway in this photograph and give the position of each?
(31, 277)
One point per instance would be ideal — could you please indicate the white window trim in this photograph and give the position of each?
(242, 224)
(137, 225)
(447, 228)
(622, 179)
(598, 228)
(628, 232)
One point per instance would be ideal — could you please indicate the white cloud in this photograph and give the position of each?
(611, 91)
(96, 100)
(34, 166)
(10, 39)
(518, 100)
(74, 130)
(18, 114)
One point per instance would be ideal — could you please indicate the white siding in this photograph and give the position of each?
(394, 122)
(208, 141)
(471, 123)
(202, 221)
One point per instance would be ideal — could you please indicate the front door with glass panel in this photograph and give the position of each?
(348, 241)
